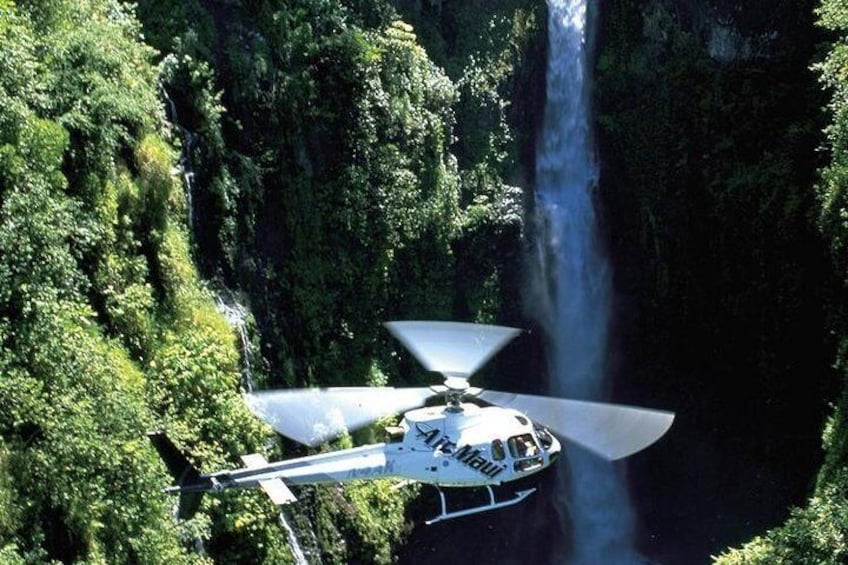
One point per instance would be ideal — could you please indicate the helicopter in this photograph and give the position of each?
(457, 443)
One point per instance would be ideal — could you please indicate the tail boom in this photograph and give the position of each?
(188, 482)
(326, 468)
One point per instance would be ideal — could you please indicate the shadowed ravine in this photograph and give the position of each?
(570, 294)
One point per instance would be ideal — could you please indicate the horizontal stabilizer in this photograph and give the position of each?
(277, 491)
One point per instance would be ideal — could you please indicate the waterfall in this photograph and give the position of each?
(185, 169)
(294, 545)
(189, 139)
(570, 293)
(236, 315)
(233, 311)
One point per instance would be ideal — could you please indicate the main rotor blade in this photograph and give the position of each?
(455, 349)
(612, 431)
(314, 415)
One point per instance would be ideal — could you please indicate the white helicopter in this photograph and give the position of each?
(456, 444)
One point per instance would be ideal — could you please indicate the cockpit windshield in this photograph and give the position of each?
(522, 446)
(545, 437)
(525, 451)
(394, 434)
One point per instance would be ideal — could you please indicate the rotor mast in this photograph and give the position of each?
(454, 390)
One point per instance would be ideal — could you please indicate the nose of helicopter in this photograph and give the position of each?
(554, 450)
(549, 442)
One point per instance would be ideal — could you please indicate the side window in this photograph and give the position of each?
(512, 443)
(498, 450)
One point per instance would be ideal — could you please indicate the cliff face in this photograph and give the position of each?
(815, 531)
(729, 307)
(106, 331)
(319, 172)
(344, 175)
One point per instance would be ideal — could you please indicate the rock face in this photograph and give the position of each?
(726, 43)
(709, 120)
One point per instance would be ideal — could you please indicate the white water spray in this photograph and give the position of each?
(236, 315)
(570, 288)
(189, 139)
(294, 545)
(185, 169)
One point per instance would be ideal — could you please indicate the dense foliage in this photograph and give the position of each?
(305, 151)
(344, 163)
(818, 532)
(709, 118)
(343, 178)
(106, 331)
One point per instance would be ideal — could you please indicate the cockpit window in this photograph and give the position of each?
(522, 420)
(525, 451)
(498, 452)
(544, 436)
(522, 446)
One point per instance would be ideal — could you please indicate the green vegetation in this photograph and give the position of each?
(344, 179)
(330, 186)
(365, 160)
(709, 123)
(105, 329)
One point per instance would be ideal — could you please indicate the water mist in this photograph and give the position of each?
(570, 293)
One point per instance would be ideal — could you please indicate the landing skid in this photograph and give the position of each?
(492, 505)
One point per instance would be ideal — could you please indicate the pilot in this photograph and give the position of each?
(498, 450)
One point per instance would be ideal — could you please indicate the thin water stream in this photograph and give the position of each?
(236, 315)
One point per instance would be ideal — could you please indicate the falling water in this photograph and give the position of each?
(297, 552)
(236, 315)
(570, 292)
(187, 139)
